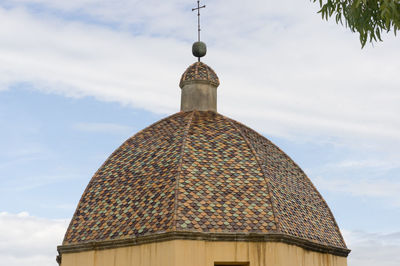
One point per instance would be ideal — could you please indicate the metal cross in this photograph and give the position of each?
(198, 18)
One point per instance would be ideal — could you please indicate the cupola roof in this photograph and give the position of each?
(199, 72)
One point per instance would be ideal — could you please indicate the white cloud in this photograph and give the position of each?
(32, 182)
(82, 60)
(371, 177)
(24, 153)
(103, 128)
(282, 68)
(387, 165)
(385, 189)
(372, 249)
(28, 240)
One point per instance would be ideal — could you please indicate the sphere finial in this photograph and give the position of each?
(199, 49)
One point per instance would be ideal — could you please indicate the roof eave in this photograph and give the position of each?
(209, 236)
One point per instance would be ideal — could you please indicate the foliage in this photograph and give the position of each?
(367, 17)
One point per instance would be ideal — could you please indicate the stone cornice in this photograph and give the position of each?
(240, 237)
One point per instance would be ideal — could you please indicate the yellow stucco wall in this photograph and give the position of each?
(203, 253)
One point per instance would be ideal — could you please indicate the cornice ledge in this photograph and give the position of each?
(187, 235)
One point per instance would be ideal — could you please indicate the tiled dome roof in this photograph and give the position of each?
(200, 175)
(199, 72)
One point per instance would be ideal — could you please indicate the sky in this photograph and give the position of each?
(77, 78)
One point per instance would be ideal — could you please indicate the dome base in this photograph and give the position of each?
(204, 253)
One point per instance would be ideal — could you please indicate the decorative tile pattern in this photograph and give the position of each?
(221, 189)
(200, 172)
(300, 209)
(199, 71)
(133, 192)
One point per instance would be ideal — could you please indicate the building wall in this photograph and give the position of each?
(203, 253)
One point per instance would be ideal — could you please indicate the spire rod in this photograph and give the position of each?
(198, 18)
(199, 48)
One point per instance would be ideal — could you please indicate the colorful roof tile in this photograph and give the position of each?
(199, 72)
(201, 172)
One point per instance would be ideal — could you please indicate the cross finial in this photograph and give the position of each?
(198, 18)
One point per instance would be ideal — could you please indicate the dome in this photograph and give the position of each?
(199, 72)
(201, 175)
